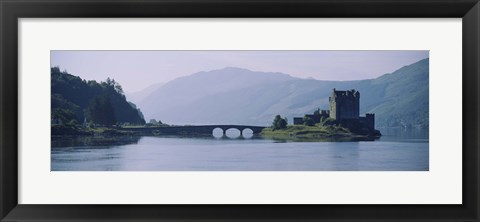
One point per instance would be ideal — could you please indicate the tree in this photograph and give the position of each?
(283, 123)
(153, 122)
(100, 111)
(308, 121)
(279, 123)
(119, 89)
(110, 82)
(65, 115)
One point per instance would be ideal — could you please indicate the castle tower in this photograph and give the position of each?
(344, 104)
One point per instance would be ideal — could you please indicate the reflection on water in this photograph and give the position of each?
(396, 150)
(401, 133)
(74, 141)
(396, 134)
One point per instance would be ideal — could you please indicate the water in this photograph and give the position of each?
(397, 150)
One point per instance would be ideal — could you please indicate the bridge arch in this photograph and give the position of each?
(247, 133)
(233, 132)
(218, 132)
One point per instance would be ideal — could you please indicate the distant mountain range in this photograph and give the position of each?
(138, 96)
(239, 96)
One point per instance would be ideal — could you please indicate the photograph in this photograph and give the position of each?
(239, 110)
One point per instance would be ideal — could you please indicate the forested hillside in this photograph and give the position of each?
(75, 100)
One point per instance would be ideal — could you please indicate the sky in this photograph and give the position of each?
(136, 70)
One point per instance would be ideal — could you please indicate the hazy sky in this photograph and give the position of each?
(136, 70)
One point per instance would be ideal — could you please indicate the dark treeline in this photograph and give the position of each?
(75, 100)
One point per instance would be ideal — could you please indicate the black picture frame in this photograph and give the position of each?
(12, 10)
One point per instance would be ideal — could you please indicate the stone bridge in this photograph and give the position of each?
(194, 130)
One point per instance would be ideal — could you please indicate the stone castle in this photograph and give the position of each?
(344, 109)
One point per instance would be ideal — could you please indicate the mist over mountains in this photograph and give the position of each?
(142, 94)
(240, 96)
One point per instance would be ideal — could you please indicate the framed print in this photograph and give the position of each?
(224, 110)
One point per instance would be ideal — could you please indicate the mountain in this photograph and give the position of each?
(74, 99)
(402, 97)
(138, 96)
(177, 96)
(240, 96)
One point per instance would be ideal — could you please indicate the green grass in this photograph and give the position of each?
(311, 133)
(133, 126)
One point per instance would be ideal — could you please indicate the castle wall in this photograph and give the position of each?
(297, 121)
(316, 117)
(370, 120)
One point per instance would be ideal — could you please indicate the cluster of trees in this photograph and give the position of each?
(279, 123)
(75, 100)
(100, 111)
(154, 122)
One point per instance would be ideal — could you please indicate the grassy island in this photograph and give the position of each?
(314, 133)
